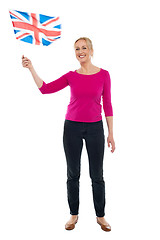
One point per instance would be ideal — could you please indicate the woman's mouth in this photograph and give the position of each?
(82, 56)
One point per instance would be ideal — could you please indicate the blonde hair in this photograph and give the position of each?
(88, 41)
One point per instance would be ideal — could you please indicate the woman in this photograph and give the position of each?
(83, 120)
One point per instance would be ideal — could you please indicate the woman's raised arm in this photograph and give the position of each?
(45, 88)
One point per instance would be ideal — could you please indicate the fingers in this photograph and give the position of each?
(112, 143)
(24, 58)
(25, 62)
(113, 148)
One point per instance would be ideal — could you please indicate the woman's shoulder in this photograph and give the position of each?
(69, 73)
(105, 70)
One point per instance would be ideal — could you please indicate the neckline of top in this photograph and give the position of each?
(88, 74)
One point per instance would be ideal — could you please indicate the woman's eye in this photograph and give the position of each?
(78, 48)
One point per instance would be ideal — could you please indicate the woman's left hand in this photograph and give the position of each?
(110, 140)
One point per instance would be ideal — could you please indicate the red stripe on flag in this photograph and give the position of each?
(30, 27)
(51, 39)
(15, 16)
(53, 20)
(24, 34)
(36, 30)
(49, 33)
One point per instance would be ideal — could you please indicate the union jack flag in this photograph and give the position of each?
(35, 28)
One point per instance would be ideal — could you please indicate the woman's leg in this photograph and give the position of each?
(95, 144)
(73, 143)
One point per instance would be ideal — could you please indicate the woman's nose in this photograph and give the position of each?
(80, 51)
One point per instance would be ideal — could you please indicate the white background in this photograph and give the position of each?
(33, 197)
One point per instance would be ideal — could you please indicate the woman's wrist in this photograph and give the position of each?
(31, 68)
(110, 133)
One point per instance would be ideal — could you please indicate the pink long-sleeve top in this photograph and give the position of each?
(86, 91)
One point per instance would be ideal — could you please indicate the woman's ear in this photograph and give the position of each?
(92, 52)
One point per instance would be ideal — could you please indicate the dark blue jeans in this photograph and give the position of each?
(93, 134)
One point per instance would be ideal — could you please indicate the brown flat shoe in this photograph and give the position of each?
(104, 227)
(70, 226)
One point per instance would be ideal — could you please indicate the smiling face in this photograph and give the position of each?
(82, 51)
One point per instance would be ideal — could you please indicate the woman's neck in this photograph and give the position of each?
(87, 68)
